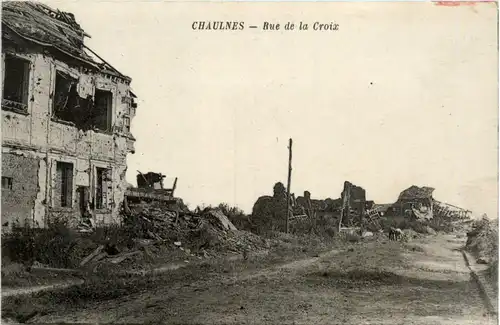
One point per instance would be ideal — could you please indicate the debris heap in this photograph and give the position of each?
(157, 232)
(158, 223)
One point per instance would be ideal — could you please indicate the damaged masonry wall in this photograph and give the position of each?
(53, 167)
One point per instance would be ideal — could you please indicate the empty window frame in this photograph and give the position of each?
(16, 83)
(65, 97)
(126, 124)
(63, 185)
(102, 114)
(103, 179)
(6, 183)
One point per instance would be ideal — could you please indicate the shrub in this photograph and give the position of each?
(482, 240)
(237, 216)
(121, 236)
(54, 245)
(19, 245)
(321, 226)
(419, 227)
(231, 212)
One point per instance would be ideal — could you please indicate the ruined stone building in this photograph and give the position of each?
(270, 212)
(415, 202)
(353, 204)
(66, 117)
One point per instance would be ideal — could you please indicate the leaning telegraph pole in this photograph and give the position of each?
(288, 207)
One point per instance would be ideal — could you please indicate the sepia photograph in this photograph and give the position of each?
(249, 162)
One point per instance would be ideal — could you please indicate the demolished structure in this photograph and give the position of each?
(418, 203)
(446, 210)
(415, 202)
(66, 117)
(269, 212)
(352, 211)
(353, 205)
(151, 188)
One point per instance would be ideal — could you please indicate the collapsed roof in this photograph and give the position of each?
(415, 192)
(52, 29)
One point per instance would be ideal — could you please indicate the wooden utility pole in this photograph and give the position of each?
(288, 207)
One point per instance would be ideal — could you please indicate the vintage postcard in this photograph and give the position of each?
(249, 162)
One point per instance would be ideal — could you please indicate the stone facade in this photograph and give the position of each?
(65, 130)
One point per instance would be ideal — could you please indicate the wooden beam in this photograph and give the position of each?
(175, 186)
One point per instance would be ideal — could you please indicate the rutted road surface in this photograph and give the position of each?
(48, 287)
(369, 283)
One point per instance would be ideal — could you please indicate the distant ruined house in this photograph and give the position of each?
(310, 207)
(270, 212)
(353, 204)
(66, 116)
(416, 202)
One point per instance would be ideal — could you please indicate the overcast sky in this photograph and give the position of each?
(402, 94)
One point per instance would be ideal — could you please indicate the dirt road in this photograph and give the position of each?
(24, 291)
(423, 282)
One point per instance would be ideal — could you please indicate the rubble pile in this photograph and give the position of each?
(158, 223)
(242, 241)
(203, 230)
(159, 232)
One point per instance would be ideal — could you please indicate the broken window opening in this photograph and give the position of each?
(64, 185)
(83, 202)
(6, 183)
(101, 116)
(63, 104)
(126, 124)
(68, 106)
(16, 83)
(132, 107)
(103, 179)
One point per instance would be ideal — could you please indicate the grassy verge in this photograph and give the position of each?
(482, 242)
(108, 285)
(16, 276)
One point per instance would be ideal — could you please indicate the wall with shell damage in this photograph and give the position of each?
(20, 188)
(39, 141)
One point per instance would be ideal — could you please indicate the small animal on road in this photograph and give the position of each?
(395, 234)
